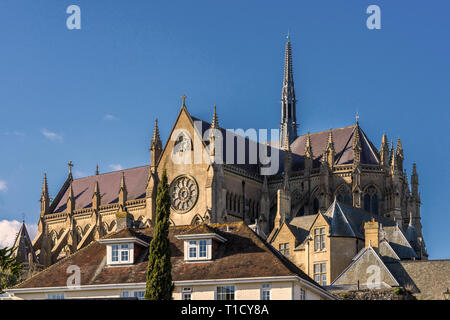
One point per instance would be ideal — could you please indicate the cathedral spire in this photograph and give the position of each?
(384, 151)
(96, 196)
(399, 155)
(45, 199)
(122, 192)
(215, 120)
(356, 146)
(155, 145)
(329, 150)
(212, 134)
(70, 200)
(308, 147)
(288, 101)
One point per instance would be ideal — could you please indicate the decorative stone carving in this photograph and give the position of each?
(184, 193)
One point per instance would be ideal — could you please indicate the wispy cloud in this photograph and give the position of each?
(15, 133)
(52, 136)
(79, 174)
(9, 230)
(3, 186)
(116, 167)
(109, 117)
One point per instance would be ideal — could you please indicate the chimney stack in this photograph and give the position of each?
(371, 233)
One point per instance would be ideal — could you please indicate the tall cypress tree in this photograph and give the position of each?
(159, 270)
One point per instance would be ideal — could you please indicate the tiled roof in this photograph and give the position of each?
(243, 255)
(109, 185)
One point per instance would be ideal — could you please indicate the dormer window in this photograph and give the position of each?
(122, 251)
(199, 247)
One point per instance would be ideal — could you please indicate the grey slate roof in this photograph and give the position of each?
(24, 246)
(109, 185)
(348, 221)
(428, 278)
(398, 242)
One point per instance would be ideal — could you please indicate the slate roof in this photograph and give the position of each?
(24, 246)
(109, 185)
(348, 221)
(343, 145)
(243, 255)
(429, 279)
(398, 242)
(358, 270)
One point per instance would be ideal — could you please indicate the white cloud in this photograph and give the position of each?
(3, 186)
(79, 174)
(52, 136)
(109, 117)
(9, 230)
(15, 133)
(116, 167)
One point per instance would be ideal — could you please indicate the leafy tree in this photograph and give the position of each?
(10, 268)
(159, 270)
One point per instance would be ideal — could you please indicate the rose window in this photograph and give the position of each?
(184, 193)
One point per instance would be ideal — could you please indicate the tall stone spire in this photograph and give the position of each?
(329, 150)
(215, 120)
(288, 102)
(212, 135)
(356, 146)
(122, 192)
(155, 145)
(45, 199)
(384, 151)
(70, 200)
(96, 197)
(399, 155)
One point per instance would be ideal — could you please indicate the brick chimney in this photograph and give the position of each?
(371, 233)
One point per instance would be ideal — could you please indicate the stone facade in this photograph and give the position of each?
(314, 169)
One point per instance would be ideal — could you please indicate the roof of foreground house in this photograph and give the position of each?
(243, 255)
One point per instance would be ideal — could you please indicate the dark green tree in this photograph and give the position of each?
(10, 268)
(159, 270)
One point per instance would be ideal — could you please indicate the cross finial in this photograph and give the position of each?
(96, 170)
(183, 99)
(70, 164)
(357, 117)
(288, 37)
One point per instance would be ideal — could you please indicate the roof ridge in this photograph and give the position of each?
(100, 174)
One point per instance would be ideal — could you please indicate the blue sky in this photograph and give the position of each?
(91, 95)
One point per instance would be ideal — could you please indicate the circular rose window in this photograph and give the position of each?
(183, 193)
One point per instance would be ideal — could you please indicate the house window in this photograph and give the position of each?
(319, 239)
(192, 249)
(202, 248)
(225, 292)
(186, 294)
(121, 253)
(56, 296)
(265, 292)
(302, 294)
(198, 249)
(139, 294)
(320, 273)
(284, 249)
